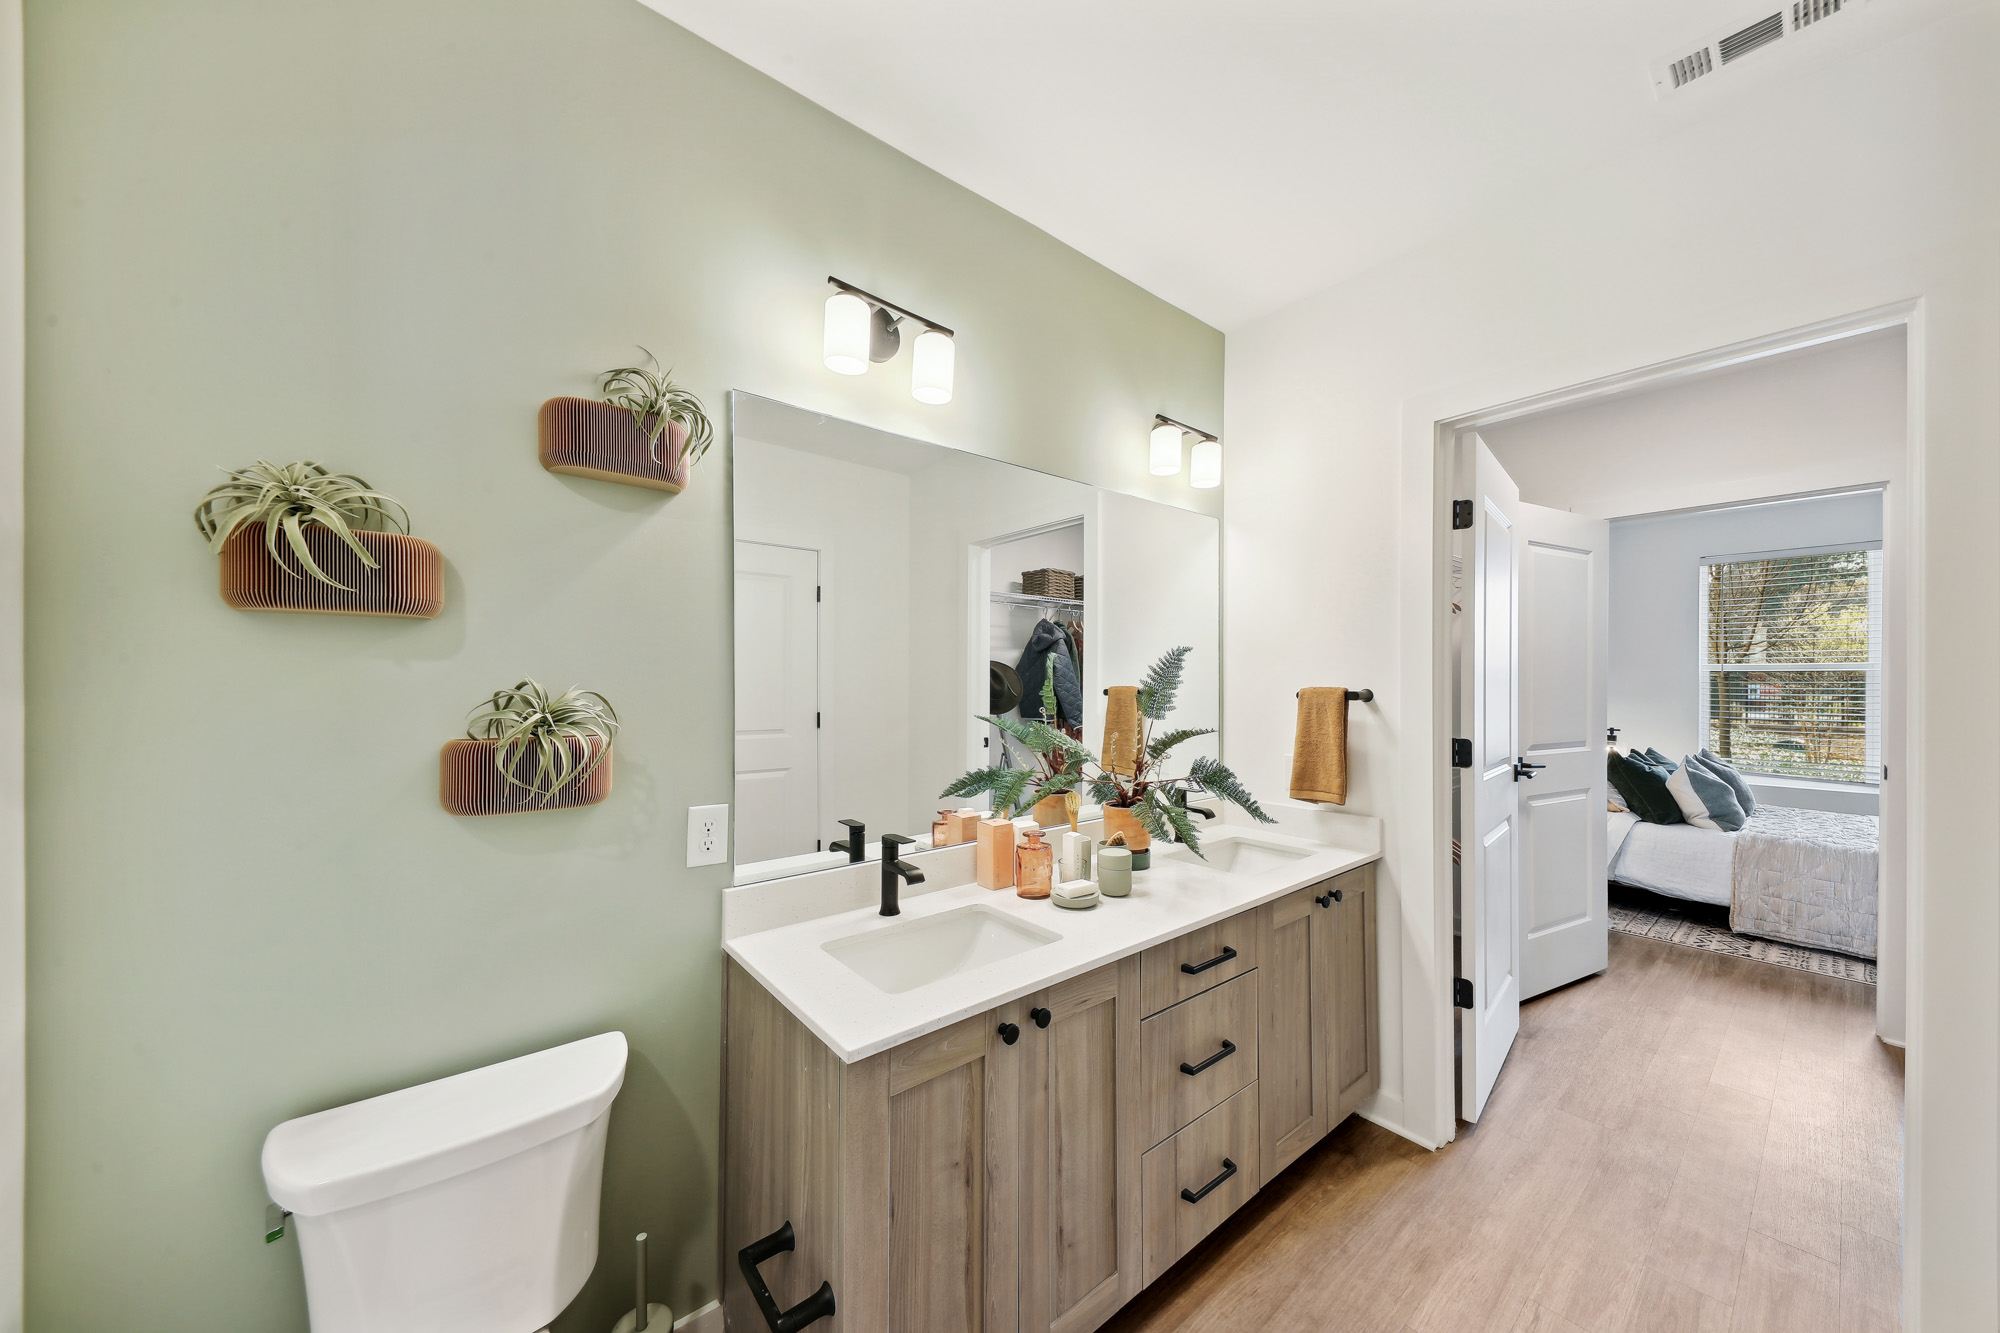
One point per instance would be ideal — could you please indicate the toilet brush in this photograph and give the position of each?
(644, 1317)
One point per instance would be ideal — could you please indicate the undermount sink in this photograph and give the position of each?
(902, 957)
(1241, 856)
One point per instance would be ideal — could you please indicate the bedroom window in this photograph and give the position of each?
(1792, 662)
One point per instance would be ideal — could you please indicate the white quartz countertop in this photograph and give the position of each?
(1177, 895)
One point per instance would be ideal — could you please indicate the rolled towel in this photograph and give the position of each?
(1121, 731)
(1319, 748)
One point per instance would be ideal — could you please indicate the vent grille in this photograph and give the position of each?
(1740, 43)
(1805, 13)
(1689, 68)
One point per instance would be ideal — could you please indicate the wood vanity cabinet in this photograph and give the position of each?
(1029, 1169)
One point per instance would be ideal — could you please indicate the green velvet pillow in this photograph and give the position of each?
(1643, 784)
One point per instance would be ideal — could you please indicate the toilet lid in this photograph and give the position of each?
(417, 1136)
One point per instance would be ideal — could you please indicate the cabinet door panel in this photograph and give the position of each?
(1297, 978)
(1357, 1048)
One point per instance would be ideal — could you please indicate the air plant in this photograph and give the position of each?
(1158, 803)
(556, 732)
(286, 500)
(646, 392)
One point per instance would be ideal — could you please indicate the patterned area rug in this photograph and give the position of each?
(1700, 926)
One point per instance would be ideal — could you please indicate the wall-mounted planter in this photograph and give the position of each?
(470, 783)
(585, 438)
(409, 580)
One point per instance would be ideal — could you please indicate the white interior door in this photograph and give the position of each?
(1490, 840)
(777, 701)
(1565, 653)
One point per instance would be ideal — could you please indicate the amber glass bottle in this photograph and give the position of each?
(1034, 866)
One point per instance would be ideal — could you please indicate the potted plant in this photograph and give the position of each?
(526, 749)
(1143, 804)
(1054, 761)
(647, 431)
(337, 529)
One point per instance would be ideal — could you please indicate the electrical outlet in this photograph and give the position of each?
(708, 835)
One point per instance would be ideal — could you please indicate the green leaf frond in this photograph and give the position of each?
(1158, 747)
(1007, 788)
(647, 392)
(1162, 681)
(288, 498)
(555, 731)
(1215, 777)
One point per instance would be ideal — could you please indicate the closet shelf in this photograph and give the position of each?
(1023, 599)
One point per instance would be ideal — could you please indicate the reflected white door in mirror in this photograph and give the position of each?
(892, 593)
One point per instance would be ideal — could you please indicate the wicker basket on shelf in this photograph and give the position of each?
(1051, 583)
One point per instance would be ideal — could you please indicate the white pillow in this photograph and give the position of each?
(1706, 801)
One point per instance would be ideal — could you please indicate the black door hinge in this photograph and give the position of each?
(1461, 752)
(1461, 514)
(817, 590)
(816, 721)
(1461, 993)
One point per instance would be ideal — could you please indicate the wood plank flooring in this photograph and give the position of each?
(1690, 1143)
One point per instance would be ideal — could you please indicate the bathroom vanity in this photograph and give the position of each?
(991, 1114)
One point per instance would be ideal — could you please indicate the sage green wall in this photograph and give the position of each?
(378, 233)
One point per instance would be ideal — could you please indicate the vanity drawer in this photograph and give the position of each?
(1194, 1180)
(1199, 960)
(1197, 1054)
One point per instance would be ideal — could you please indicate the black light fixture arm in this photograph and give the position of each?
(894, 309)
(1160, 418)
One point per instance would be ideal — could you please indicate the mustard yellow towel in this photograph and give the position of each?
(1121, 731)
(1319, 748)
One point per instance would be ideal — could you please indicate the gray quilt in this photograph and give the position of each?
(1807, 877)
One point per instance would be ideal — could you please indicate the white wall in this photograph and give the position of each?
(1842, 188)
(1656, 613)
(1813, 420)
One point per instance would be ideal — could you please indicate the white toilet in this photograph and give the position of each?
(468, 1205)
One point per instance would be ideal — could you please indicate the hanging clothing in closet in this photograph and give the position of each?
(1048, 638)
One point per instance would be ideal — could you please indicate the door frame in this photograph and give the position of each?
(1430, 424)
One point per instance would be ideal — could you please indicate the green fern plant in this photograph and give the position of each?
(1064, 764)
(287, 500)
(645, 391)
(555, 730)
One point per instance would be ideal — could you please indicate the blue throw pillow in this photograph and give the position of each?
(1705, 799)
(1722, 768)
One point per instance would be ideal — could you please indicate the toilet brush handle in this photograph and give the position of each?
(639, 1319)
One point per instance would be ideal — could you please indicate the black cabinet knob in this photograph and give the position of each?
(1041, 1017)
(1010, 1033)
(1336, 895)
(1324, 899)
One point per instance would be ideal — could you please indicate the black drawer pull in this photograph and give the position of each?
(1196, 1196)
(1196, 969)
(811, 1310)
(1010, 1033)
(1228, 1049)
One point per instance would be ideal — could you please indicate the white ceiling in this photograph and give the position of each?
(1235, 157)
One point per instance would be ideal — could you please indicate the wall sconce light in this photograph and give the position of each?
(1206, 461)
(861, 327)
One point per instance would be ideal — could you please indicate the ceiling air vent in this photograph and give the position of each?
(1745, 40)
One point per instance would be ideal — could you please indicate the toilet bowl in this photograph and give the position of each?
(467, 1205)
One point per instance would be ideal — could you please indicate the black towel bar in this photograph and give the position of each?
(1353, 696)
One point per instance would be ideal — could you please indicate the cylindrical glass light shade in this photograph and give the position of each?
(931, 362)
(1166, 450)
(847, 320)
(1205, 466)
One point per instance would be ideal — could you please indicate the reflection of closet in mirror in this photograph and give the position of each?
(1017, 619)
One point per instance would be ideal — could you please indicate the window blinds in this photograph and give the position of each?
(1792, 663)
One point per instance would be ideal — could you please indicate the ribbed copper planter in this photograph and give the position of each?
(409, 580)
(585, 438)
(470, 783)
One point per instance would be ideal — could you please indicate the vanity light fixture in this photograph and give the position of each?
(862, 327)
(1206, 460)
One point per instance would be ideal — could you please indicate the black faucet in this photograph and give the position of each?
(855, 844)
(896, 873)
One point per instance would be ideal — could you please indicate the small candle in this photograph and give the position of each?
(1114, 871)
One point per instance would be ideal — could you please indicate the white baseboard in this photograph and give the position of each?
(708, 1319)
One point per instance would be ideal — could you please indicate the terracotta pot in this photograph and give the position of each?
(408, 580)
(1051, 811)
(584, 438)
(470, 783)
(1120, 820)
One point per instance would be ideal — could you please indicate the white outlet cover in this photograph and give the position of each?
(708, 835)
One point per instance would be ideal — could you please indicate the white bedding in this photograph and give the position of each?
(1679, 860)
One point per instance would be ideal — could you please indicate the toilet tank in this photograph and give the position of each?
(468, 1205)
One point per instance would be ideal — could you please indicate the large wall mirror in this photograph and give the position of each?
(881, 611)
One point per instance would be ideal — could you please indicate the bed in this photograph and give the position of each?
(1801, 876)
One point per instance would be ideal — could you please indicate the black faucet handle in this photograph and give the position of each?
(891, 841)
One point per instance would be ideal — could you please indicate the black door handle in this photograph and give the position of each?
(1228, 1049)
(1196, 1196)
(1041, 1017)
(1524, 769)
(1196, 969)
(811, 1310)
(1010, 1033)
